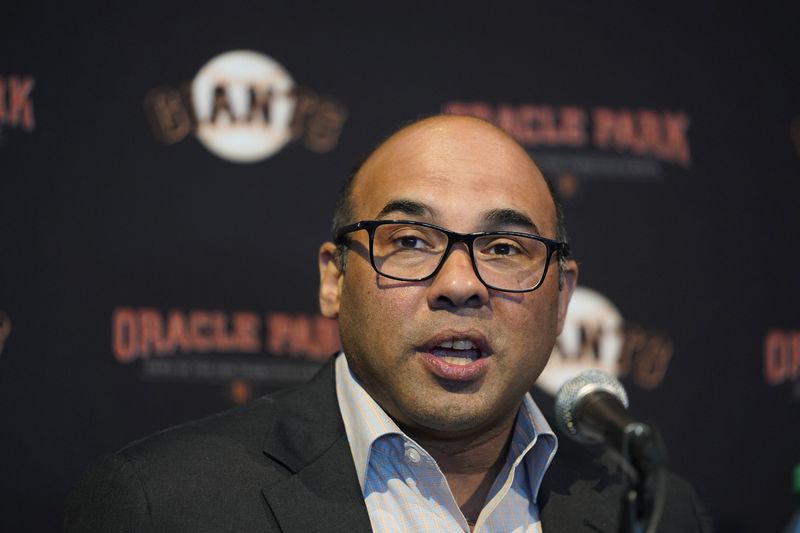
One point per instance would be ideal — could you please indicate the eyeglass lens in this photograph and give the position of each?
(413, 252)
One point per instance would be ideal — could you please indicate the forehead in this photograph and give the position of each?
(460, 167)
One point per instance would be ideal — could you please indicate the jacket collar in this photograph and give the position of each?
(307, 438)
(579, 493)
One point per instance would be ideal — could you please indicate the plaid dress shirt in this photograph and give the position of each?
(405, 490)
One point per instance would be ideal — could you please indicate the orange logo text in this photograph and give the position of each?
(145, 332)
(661, 135)
(16, 107)
(781, 356)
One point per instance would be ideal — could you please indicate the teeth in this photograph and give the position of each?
(463, 345)
(457, 360)
(458, 344)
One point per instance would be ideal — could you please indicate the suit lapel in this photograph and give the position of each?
(579, 500)
(322, 496)
(321, 491)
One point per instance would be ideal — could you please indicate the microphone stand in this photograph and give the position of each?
(644, 479)
(602, 417)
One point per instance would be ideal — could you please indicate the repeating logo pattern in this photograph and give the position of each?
(245, 107)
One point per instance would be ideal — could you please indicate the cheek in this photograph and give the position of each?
(372, 317)
(389, 302)
(533, 326)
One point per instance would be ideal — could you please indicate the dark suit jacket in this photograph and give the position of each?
(283, 463)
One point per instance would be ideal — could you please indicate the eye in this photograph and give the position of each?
(409, 241)
(407, 238)
(411, 238)
(502, 248)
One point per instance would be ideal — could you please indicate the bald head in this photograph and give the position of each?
(448, 134)
(431, 143)
(439, 136)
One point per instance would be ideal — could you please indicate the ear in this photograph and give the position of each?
(330, 281)
(565, 294)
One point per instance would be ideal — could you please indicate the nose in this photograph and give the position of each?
(456, 284)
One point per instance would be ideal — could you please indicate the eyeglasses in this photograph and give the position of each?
(407, 250)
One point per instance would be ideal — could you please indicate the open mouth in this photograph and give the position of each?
(457, 356)
(457, 351)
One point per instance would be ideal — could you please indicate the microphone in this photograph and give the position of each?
(592, 408)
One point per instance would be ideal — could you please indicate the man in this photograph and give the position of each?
(450, 280)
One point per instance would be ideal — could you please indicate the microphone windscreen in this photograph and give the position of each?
(574, 391)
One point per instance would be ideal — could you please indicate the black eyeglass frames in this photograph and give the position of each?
(407, 250)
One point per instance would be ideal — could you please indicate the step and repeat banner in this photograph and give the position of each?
(167, 174)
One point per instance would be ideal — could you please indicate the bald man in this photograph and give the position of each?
(449, 274)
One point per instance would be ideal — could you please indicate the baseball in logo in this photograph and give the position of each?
(244, 107)
(595, 335)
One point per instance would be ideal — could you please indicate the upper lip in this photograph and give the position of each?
(477, 338)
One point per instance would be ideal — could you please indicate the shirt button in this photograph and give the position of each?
(412, 455)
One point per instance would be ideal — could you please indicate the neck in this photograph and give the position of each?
(470, 463)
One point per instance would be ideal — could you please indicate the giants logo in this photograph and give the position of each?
(16, 107)
(596, 336)
(244, 107)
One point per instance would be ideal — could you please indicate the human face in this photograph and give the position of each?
(446, 356)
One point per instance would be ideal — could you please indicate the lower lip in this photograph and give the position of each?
(445, 370)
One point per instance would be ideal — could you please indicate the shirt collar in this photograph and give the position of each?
(365, 422)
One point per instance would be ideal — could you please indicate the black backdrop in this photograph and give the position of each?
(130, 253)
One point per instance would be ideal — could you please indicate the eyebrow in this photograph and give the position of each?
(510, 217)
(493, 217)
(407, 207)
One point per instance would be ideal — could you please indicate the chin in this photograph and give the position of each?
(450, 416)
